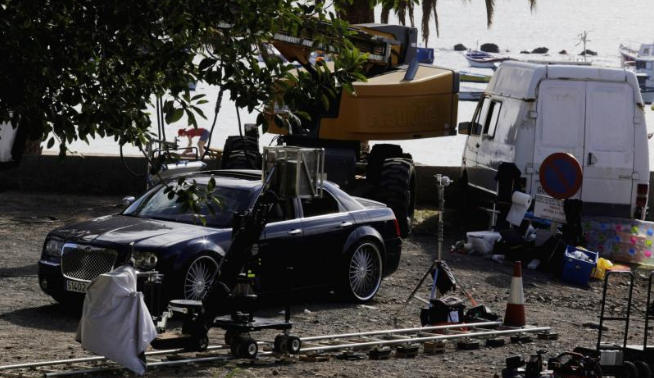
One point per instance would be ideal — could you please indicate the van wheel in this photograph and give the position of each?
(396, 189)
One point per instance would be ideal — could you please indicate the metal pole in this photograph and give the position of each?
(441, 182)
(441, 208)
(428, 338)
(400, 330)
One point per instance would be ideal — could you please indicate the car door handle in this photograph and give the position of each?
(345, 224)
(297, 231)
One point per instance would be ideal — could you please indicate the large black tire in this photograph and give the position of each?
(644, 370)
(396, 189)
(378, 154)
(629, 370)
(363, 268)
(241, 153)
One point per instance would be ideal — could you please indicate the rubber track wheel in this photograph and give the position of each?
(395, 191)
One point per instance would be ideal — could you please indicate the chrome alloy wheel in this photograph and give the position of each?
(199, 277)
(365, 271)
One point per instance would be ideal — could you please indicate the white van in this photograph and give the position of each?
(530, 111)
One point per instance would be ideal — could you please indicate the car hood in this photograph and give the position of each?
(121, 229)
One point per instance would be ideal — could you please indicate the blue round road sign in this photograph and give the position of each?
(560, 175)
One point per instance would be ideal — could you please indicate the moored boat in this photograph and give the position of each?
(481, 59)
(642, 62)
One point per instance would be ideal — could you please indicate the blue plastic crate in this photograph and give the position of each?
(577, 271)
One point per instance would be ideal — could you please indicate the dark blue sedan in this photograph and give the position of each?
(336, 241)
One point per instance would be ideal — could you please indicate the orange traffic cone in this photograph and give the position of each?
(515, 309)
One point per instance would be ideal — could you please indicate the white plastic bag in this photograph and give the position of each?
(483, 241)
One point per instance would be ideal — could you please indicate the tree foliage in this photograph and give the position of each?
(87, 68)
(80, 69)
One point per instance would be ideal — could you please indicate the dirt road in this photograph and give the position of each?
(34, 327)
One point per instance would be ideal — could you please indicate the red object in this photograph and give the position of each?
(560, 175)
(397, 228)
(191, 132)
(515, 309)
(517, 269)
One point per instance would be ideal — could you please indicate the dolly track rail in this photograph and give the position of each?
(402, 336)
(406, 340)
(401, 330)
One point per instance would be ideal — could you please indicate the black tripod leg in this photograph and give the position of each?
(415, 290)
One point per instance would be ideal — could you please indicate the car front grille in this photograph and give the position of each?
(84, 263)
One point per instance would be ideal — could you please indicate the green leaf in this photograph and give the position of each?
(325, 102)
(174, 116)
(191, 119)
(50, 143)
(206, 63)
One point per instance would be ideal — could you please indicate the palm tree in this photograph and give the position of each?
(361, 11)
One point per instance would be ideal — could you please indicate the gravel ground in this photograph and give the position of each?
(34, 327)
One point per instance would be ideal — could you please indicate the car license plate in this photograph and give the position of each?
(76, 286)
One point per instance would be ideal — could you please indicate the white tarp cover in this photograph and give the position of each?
(115, 321)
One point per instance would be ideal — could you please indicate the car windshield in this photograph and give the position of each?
(157, 205)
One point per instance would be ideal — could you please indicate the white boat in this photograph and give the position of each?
(482, 59)
(641, 60)
(627, 54)
(645, 74)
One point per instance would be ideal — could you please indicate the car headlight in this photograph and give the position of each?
(145, 260)
(54, 247)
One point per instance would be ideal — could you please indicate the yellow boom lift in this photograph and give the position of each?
(401, 100)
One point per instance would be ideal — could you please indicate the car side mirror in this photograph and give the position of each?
(128, 200)
(464, 128)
